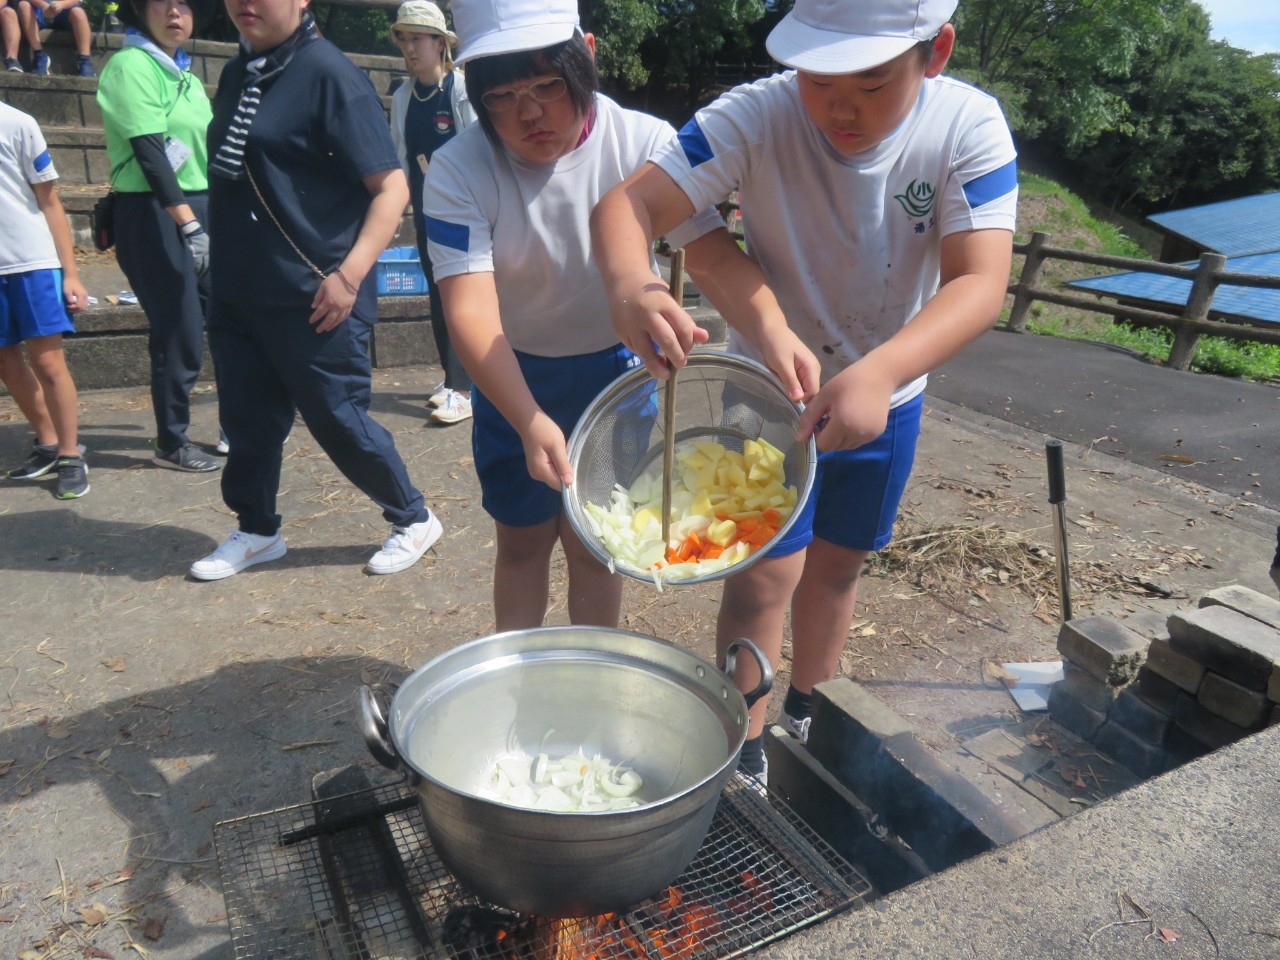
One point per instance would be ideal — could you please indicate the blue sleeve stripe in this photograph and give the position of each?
(993, 185)
(694, 143)
(42, 162)
(455, 236)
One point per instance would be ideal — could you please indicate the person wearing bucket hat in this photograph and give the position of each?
(155, 113)
(426, 112)
(507, 203)
(878, 201)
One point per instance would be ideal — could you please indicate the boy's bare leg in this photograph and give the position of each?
(49, 362)
(521, 573)
(30, 26)
(81, 32)
(822, 610)
(595, 594)
(753, 605)
(24, 387)
(10, 32)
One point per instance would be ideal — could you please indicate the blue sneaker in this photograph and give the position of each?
(40, 63)
(84, 67)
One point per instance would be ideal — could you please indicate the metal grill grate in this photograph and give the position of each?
(355, 878)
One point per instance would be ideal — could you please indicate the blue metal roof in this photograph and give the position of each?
(1233, 228)
(1253, 303)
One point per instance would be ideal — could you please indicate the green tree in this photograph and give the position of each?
(1048, 60)
(664, 53)
(1203, 124)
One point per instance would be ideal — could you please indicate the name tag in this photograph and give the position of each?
(176, 152)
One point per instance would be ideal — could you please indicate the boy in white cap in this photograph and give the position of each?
(507, 203)
(878, 202)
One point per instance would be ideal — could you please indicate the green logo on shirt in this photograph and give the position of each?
(917, 200)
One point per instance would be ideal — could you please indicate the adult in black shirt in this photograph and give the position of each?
(305, 193)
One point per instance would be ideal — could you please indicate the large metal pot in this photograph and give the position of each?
(634, 699)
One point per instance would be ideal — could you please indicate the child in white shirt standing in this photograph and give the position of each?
(878, 202)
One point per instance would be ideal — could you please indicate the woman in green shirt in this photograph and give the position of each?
(155, 113)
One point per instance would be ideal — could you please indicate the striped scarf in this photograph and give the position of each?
(258, 74)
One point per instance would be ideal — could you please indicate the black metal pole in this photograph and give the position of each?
(1058, 497)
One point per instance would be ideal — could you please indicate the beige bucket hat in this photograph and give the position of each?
(422, 16)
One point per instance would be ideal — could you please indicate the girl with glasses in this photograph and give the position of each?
(507, 205)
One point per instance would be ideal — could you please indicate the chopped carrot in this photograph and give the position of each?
(772, 517)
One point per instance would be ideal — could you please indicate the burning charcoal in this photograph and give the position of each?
(473, 931)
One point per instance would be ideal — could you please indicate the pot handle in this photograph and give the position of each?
(373, 727)
(762, 662)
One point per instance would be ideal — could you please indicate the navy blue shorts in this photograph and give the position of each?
(856, 493)
(563, 387)
(31, 306)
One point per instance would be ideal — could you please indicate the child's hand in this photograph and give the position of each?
(794, 363)
(653, 326)
(546, 452)
(853, 408)
(74, 293)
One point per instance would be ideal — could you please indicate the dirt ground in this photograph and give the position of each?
(139, 708)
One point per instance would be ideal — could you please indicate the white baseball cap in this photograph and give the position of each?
(847, 36)
(489, 27)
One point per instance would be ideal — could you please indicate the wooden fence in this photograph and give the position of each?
(1188, 325)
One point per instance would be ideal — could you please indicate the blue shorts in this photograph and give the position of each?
(31, 306)
(61, 20)
(856, 493)
(563, 387)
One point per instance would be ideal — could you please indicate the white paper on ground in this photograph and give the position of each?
(1031, 692)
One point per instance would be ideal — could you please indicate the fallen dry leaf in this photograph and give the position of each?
(116, 664)
(5, 766)
(59, 731)
(153, 929)
(91, 951)
(993, 671)
(95, 915)
(1169, 935)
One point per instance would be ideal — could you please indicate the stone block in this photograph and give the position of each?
(1243, 707)
(1129, 751)
(1140, 719)
(1273, 685)
(1243, 600)
(1147, 623)
(849, 721)
(1229, 643)
(1155, 690)
(1087, 688)
(835, 813)
(936, 811)
(1204, 727)
(1104, 648)
(1066, 711)
(1180, 747)
(1183, 671)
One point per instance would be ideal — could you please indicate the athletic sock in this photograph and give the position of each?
(751, 761)
(798, 705)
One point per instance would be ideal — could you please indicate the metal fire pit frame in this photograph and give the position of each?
(355, 878)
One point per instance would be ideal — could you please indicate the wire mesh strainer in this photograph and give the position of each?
(723, 398)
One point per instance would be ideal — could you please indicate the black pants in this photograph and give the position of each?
(455, 374)
(269, 360)
(158, 265)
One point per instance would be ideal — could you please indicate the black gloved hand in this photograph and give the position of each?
(198, 243)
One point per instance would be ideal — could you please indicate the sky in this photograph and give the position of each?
(1252, 25)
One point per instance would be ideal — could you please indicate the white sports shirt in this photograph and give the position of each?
(25, 241)
(489, 211)
(850, 245)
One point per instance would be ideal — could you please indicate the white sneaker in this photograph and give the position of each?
(240, 551)
(405, 545)
(439, 393)
(797, 728)
(223, 446)
(455, 408)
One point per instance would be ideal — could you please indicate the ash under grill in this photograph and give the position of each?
(355, 878)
